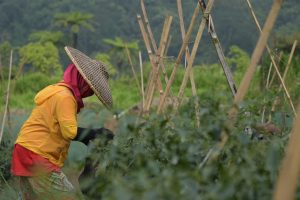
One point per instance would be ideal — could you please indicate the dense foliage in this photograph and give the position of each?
(164, 158)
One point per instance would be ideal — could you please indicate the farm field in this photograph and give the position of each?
(206, 96)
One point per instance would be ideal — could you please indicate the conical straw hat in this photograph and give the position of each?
(94, 73)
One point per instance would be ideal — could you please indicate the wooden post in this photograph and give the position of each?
(289, 173)
(257, 53)
(272, 58)
(178, 60)
(7, 96)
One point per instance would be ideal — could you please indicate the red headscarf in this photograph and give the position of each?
(77, 85)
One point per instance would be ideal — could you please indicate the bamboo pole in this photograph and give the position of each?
(168, 45)
(161, 50)
(7, 96)
(289, 60)
(179, 57)
(269, 75)
(277, 99)
(148, 25)
(142, 79)
(256, 56)
(154, 45)
(272, 58)
(278, 62)
(287, 181)
(219, 50)
(187, 56)
(132, 68)
(194, 50)
(151, 56)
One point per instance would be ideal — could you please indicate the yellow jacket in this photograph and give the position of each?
(52, 124)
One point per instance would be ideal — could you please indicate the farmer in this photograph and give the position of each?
(44, 139)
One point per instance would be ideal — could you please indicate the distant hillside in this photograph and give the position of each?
(19, 18)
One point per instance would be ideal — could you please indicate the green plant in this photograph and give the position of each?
(74, 21)
(41, 57)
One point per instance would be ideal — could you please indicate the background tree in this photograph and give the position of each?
(117, 52)
(47, 36)
(74, 21)
(40, 57)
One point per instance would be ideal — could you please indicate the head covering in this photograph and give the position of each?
(77, 85)
(94, 73)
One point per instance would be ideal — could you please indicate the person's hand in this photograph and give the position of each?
(86, 135)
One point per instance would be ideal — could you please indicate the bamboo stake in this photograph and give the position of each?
(168, 45)
(151, 56)
(181, 22)
(132, 68)
(277, 99)
(287, 181)
(269, 75)
(267, 87)
(187, 56)
(148, 25)
(154, 45)
(179, 57)
(272, 58)
(289, 60)
(257, 53)
(278, 62)
(219, 50)
(195, 48)
(7, 96)
(161, 50)
(142, 79)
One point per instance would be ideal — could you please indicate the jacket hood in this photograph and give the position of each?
(48, 92)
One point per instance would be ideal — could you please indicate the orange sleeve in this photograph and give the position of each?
(66, 109)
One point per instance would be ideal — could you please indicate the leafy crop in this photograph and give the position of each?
(162, 157)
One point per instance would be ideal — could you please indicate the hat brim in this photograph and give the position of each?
(94, 73)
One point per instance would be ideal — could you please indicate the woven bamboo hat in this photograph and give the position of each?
(94, 73)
